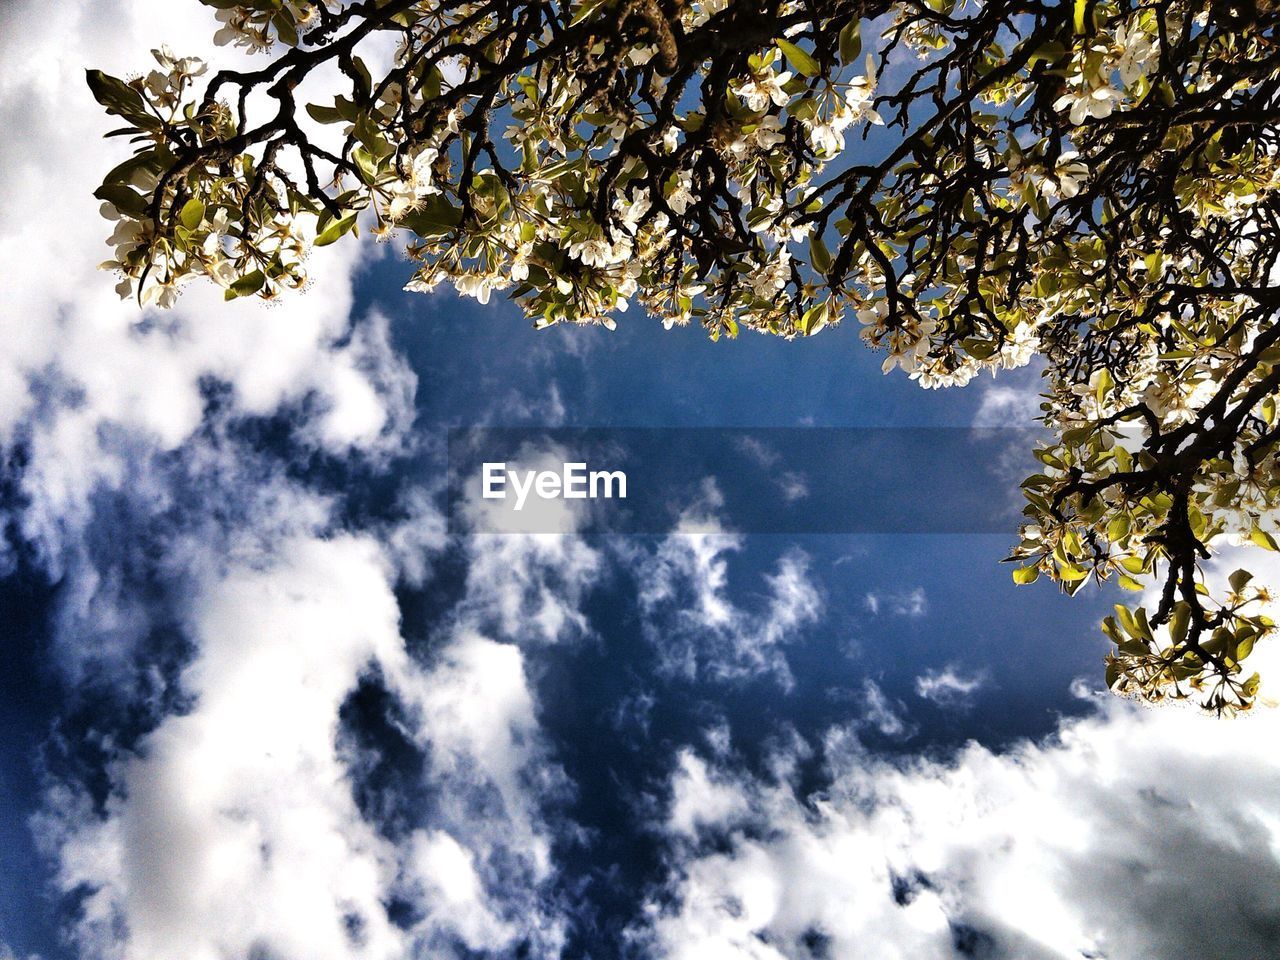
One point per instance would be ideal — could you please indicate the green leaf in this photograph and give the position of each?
(814, 319)
(1239, 580)
(249, 284)
(1071, 573)
(1180, 621)
(368, 133)
(1134, 622)
(323, 114)
(335, 229)
(1135, 648)
(365, 163)
(192, 213)
(1025, 575)
(1244, 647)
(1264, 540)
(980, 349)
(1113, 673)
(1105, 383)
(1046, 285)
(799, 59)
(365, 80)
(285, 28)
(1112, 631)
(120, 98)
(1118, 528)
(1144, 628)
(851, 41)
(127, 201)
(819, 256)
(585, 10)
(434, 216)
(1133, 564)
(123, 173)
(347, 109)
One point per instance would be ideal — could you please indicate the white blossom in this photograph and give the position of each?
(759, 91)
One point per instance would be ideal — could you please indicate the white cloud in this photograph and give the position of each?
(1008, 406)
(531, 585)
(479, 874)
(758, 451)
(792, 485)
(884, 713)
(949, 686)
(702, 796)
(697, 628)
(522, 580)
(446, 879)
(1091, 843)
(903, 603)
(231, 829)
(79, 366)
(475, 714)
(415, 537)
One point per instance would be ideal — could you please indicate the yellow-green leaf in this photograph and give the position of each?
(799, 59)
(249, 284)
(1071, 573)
(1025, 575)
(1179, 621)
(335, 230)
(192, 213)
(322, 114)
(851, 41)
(819, 255)
(1264, 540)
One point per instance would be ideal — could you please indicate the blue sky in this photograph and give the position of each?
(893, 607)
(258, 703)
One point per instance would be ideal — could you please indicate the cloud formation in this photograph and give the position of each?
(949, 686)
(902, 603)
(233, 827)
(1089, 844)
(244, 817)
(691, 620)
(87, 383)
(241, 819)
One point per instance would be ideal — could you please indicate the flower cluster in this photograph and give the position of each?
(202, 230)
(1110, 75)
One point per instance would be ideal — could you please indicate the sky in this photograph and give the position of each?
(264, 697)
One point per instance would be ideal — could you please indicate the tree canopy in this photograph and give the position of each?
(1090, 186)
